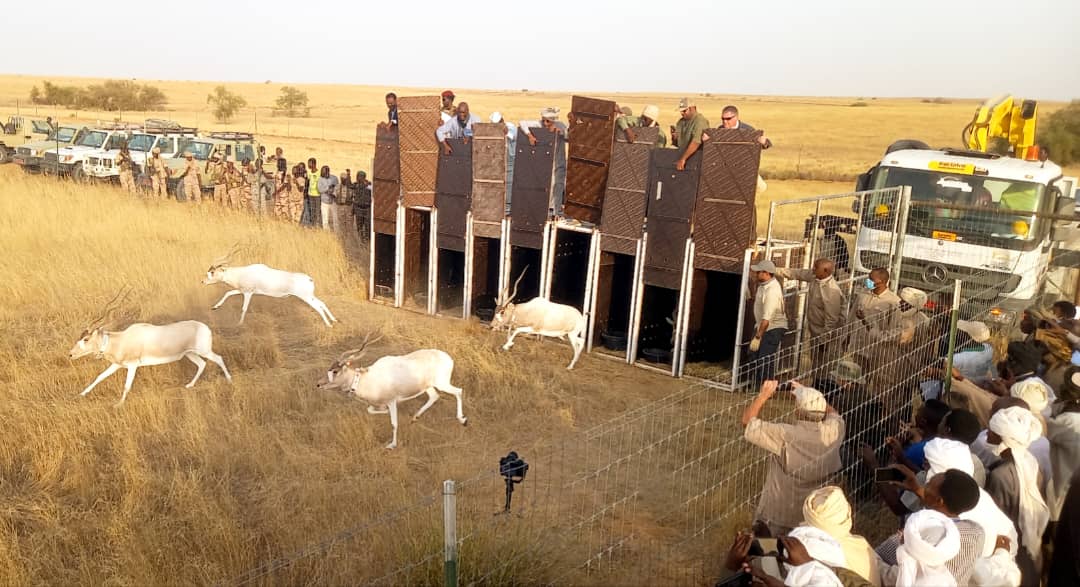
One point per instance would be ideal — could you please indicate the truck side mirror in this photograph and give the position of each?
(863, 182)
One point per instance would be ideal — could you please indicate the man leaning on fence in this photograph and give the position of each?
(826, 310)
(803, 455)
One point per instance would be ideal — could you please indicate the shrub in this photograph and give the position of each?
(225, 103)
(292, 100)
(1060, 134)
(859, 104)
(111, 95)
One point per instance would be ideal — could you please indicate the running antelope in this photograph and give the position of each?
(263, 280)
(539, 316)
(394, 379)
(141, 345)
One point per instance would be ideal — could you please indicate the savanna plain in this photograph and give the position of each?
(182, 486)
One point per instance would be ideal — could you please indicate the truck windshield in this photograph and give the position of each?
(63, 134)
(141, 143)
(998, 222)
(94, 138)
(199, 149)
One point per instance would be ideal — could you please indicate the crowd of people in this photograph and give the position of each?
(984, 484)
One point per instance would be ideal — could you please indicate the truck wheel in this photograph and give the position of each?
(77, 174)
(5, 155)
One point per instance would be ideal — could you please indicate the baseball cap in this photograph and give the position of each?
(685, 103)
(764, 265)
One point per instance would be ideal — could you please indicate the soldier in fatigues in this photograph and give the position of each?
(192, 179)
(159, 175)
(235, 183)
(127, 167)
(297, 189)
(217, 177)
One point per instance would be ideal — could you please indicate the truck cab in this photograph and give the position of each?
(238, 145)
(17, 130)
(997, 239)
(68, 161)
(29, 155)
(101, 164)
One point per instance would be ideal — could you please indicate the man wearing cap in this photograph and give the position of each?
(802, 455)
(511, 144)
(649, 114)
(826, 309)
(458, 127)
(770, 322)
(127, 168)
(686, 134)
(216, 168)
(191, 179)
(234, 182)
(159, 174)
(448, 109)
(549, 119)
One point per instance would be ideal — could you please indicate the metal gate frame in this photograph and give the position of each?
(470, 261)
(592, 269)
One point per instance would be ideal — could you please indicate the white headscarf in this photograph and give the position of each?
(810, 400)
(930, 541)
(1035, 392)
(1018, 428)
(943, 454)
(999, 570)
(825, 551)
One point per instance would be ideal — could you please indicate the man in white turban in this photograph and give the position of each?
(825, 554)
(930, 541)
(1036, 393)
(803, 454)
(1014, 483)
(827, 509)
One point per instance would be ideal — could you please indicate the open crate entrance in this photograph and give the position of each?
(654, 343)
(614, 293)
(450, 282)
(486, 264)
(569, 260)
(382, 252)
(529, 261)
(416, 252)
(711, 325)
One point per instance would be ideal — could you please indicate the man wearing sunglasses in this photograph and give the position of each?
(730, 119)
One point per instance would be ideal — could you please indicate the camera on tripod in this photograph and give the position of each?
(513, 469)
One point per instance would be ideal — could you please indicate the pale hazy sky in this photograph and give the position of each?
(954, 48)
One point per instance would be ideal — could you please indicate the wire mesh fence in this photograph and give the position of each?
(656, 494)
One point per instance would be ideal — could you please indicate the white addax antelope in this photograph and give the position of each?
(267, 281)
(394, 379)
(141, 345)
(540, 316)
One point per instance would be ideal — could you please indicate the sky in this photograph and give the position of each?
(947, 48)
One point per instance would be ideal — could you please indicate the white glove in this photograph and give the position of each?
(755, 344)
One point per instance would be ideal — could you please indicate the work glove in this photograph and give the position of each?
(755, 344)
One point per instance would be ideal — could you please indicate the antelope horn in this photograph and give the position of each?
(110, 308)
(227, 257)
(514, 293)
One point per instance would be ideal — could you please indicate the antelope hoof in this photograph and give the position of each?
(189, 386)
(391, 446)
(118, 405)
(464, 421)
(507, 346)
(215, 307)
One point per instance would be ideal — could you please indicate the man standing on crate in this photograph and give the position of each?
(159, 175)
(686, 135)
(127, 169)
(458, 127)
(191, 179)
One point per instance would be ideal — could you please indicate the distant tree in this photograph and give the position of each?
(35, 95)
(111, 95)
(292, 100)
(55, 95)
(151, 98)
(1060, 134)
(225, 103)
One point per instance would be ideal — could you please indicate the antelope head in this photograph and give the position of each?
(504, 305)
(340, 375)
(92, 337)
(216, 272)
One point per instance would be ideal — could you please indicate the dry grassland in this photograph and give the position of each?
(194, 486)
(816, 138)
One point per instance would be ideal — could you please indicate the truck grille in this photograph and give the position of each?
(25, 151)
(92, 161)
(914, 272)
(51, 158)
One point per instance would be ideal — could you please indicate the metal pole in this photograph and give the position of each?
(450, 571)
(946, 378)
(768, 231)
(900, 231)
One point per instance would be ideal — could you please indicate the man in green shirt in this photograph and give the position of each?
(686, 135)
(627, 123)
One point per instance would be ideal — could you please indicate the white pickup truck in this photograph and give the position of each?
(101, 164)
(68, 161)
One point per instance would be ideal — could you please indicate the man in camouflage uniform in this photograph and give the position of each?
(159, 175)
(235, 183)
(217, 177)
(127, 170)
(191, 179)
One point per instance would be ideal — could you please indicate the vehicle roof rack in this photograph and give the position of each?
(232, 136)
(119, 126)
(973, 154)
(178, 130)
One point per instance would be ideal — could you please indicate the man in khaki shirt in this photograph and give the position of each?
(159, 175)
(770, 321)
(803, 455)
(686, 135)
(875, 314)
(190, 180)
(826, 309)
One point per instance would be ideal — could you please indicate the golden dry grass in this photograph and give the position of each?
(195, 486)
(815, 138)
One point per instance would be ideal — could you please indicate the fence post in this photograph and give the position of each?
(901, 231)
(946, 378)
(450, 574)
